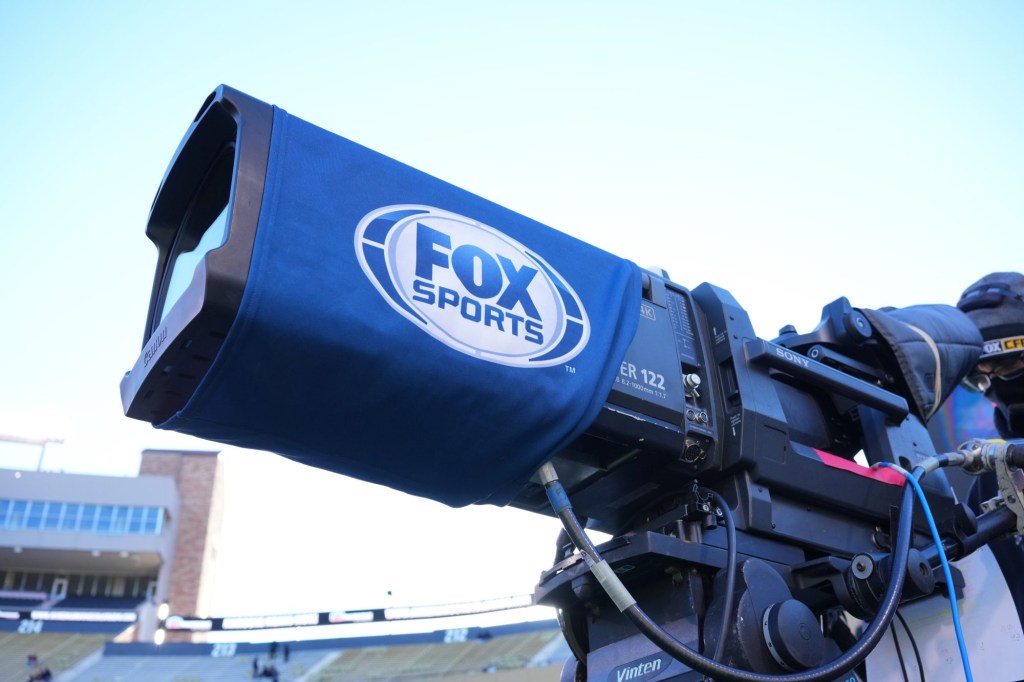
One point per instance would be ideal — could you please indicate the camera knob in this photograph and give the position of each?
(857, 325)
(793, 636)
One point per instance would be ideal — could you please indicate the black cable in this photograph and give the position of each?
(670, 645)
(560, 543)
(1015, 454)
(730, 573)
(570, 637)
(913, 643)
(899, 651)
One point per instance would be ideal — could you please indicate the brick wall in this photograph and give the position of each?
(198, 475)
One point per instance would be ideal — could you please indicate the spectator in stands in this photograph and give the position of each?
(41, 676)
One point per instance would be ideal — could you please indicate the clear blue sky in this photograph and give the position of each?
(789, 152)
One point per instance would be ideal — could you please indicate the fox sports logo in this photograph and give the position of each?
(471, 287)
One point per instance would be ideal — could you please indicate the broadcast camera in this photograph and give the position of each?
(319, 300)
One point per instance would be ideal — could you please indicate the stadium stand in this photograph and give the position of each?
(59, 652)
(487, 655)
(107, 603)
(525, 652)
(12, 599)
(193, 668)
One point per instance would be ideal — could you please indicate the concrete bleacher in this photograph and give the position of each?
(488, 657)
(59, 652)
(19, 599)
(527, 652)
(104, 603)
(198, 668)
(550, 673)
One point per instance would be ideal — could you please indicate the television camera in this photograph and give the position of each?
(311, 295)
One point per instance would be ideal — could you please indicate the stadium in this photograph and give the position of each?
(101, 579)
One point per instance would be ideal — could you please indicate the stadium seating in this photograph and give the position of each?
(17, 599)
(423, 661)
(106, 603)
(527, 652)
(172, 668)
(58, 652)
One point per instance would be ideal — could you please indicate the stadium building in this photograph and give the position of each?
(89, 565)
(103, 553)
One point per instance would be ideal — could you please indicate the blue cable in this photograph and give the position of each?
(945, 564)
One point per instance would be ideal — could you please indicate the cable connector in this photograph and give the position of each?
(1006, 461)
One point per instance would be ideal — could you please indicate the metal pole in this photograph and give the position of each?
(41, 442)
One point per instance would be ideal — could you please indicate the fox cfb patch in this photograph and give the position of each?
(400, 330)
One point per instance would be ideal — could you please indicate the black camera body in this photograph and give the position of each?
(785, 431)
(773, 427)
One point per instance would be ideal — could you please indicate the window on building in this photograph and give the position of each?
(16, 514)
(88, 519)
(34, 515)
(84, 518)
(70, 519)
(133, 521)
(104, 519)
(52, 515)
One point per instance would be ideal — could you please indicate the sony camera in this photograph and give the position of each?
(322, 301)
